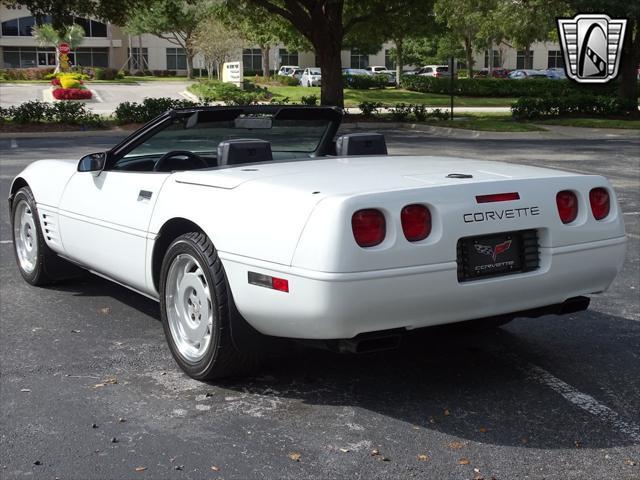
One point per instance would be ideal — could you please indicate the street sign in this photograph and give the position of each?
(64, 48)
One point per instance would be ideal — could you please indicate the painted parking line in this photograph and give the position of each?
(581, 400)
(6, 241)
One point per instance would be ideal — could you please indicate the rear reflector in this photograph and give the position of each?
(267, 281)
(498, 197)
(416, 222)
(369, 227)
(567, 203)
(600, 203)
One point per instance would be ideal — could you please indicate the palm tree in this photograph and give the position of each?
(46, 35)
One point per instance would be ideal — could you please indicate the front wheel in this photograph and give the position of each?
(195, 310)
(37, 263)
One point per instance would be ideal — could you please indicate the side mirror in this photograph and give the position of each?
(94, 162)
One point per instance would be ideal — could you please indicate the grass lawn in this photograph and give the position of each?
(390, 96)
(593, 122)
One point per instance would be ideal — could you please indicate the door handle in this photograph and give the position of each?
(145, 195)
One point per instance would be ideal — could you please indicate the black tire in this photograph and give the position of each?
(49, 267)
(222, 358)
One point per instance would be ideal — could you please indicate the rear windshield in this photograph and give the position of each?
(442, 69)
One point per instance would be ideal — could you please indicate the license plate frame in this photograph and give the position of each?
(491, 255)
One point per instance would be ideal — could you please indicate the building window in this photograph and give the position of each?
(21, 27)
(288, 58)
(252, 59)
(176, 59)
(91, 57)
(520, 60)
(497, 60)
(46, 57)
(555, 59)
(137, 62)
(359, 60)
(27, 57)
(389, 60)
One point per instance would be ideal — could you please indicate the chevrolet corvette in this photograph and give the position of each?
(247, 223)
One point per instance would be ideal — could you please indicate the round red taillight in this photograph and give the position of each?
(567, 203)
(416, 222)
(600, 203)
(369, 227)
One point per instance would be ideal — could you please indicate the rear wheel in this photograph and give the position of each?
(195, 310)
(37, 263)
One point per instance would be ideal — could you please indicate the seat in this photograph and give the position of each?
(244, 150)
(361, 144)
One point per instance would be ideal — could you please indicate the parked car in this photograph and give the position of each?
(295, 235)
(524, 74)
(437, 71)
(347, 73)
(495, 73)
(376, 69)
(311, 77)
(295, 73)
(285, 70)
(556, 73)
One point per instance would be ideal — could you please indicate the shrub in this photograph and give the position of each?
(369, 109)
(358, 82)
(401, 112)
(496, 87)
(132, 112)
(26, 73)
(71, 113)
(216, 91)
(309, 100)
(570, 105)
(102, 73)
(71, 94)
(419, 112)
(286, 81)
(438, 114)
(68, 82)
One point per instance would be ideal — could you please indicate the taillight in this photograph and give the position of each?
(416, 222)
(600, 203)
(567, 203)
(369, 228)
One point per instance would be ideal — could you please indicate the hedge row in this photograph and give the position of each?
(215, 91)
(148, 109)
(70, 113)
(490, 87)
(571, 105)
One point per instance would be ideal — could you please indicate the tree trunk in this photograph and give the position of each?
(399, 59)
(527, 56)
(469, 54)
(629, 60)
(328, 53)
(265, 49)
(189, 65)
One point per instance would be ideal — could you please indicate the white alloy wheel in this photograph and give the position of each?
(25, 237)
(189, 307)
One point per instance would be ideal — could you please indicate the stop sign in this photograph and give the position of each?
(64, 48)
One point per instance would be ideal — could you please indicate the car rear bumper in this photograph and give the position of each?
(323, 305)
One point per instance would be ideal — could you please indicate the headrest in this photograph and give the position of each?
(361, 144)
(243, 150)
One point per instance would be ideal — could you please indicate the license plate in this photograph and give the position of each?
(490, 255)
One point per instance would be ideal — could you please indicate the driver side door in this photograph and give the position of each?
(104, 221)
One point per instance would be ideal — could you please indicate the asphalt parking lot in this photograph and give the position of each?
(88, 388)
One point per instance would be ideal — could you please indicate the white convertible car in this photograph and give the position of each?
(249, 222)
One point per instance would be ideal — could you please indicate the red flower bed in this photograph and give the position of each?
(55, 81)
(71, 94)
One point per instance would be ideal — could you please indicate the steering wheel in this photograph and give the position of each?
(179, 153)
